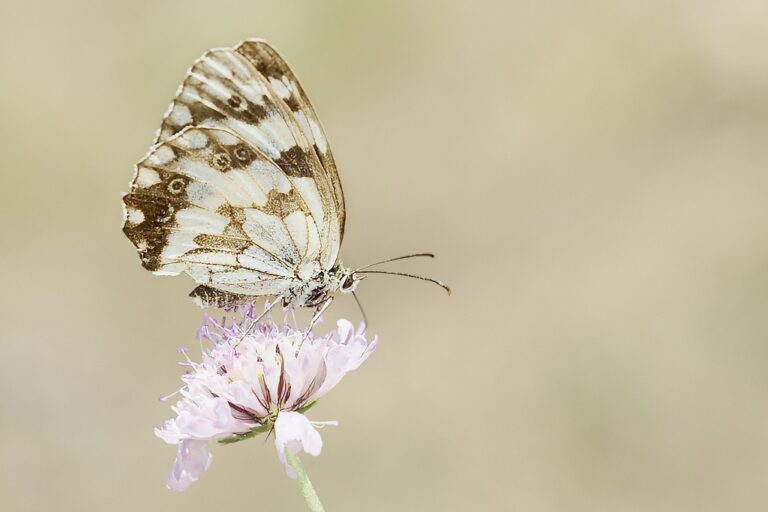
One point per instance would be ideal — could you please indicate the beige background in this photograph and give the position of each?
(592, 176)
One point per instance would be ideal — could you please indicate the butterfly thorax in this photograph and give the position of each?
(316, 288)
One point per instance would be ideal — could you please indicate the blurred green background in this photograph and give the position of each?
(592, 176)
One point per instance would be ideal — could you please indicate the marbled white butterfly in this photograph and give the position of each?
(240, 189)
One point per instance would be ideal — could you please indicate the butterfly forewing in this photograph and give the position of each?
(287, 86)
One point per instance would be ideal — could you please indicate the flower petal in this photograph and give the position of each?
(344, 357)
(304, 371)
(345, 330)
(192, 458)
(212, 419)
(295, 432)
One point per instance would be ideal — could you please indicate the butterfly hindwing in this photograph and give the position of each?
(207, 203)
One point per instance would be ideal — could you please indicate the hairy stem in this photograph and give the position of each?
(305, 486)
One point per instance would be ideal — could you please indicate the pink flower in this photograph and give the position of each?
(262, 382)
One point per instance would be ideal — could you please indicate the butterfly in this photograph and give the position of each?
(240, 190)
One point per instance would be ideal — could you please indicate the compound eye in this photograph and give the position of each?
(348, 282)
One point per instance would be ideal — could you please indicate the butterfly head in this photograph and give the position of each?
(349, 280)
(315, 290)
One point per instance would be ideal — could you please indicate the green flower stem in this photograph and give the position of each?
(305, 486)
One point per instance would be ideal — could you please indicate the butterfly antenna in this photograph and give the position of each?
(365, 317)
(417, 255)
(438, 283)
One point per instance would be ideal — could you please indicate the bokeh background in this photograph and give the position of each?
(592, 176)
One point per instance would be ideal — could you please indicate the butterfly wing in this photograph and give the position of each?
(223, 89)
(240, 191)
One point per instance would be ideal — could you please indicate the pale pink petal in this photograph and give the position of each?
(211, 420)
(343, 358)
(192, 458)
(345, 330)
(271, 368)
(248, 368)
(170, 432)
(304, 370)
(241, 393)
(295, 432)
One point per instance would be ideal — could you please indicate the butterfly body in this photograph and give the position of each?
(303, 291)
(319, 287)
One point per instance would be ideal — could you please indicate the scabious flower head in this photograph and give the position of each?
(248, 385)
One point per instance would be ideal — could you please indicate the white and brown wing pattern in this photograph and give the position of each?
(224, 89)
(239, 191)
(284, 82)
(207, 203)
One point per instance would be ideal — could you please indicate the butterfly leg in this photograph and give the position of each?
(318, 313)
